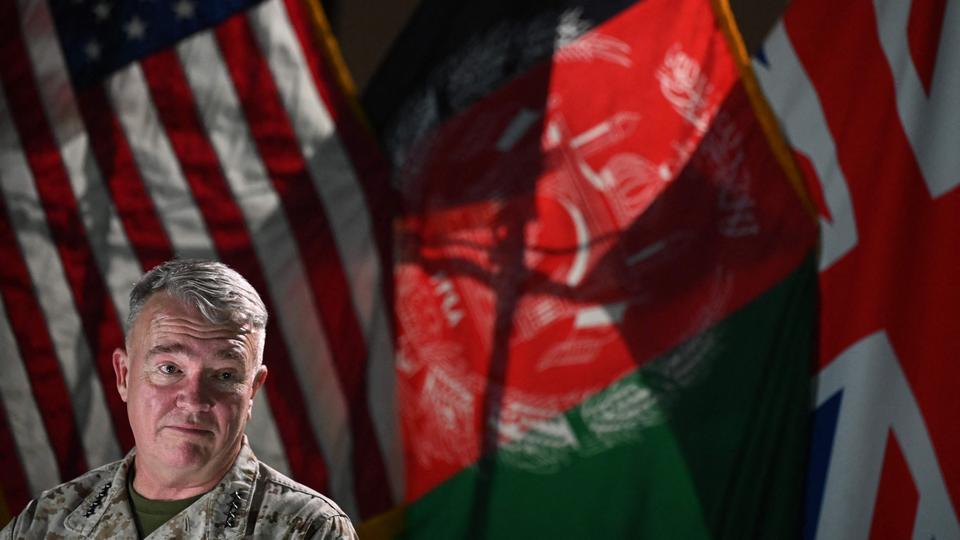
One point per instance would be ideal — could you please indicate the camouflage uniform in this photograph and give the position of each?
(252, 500)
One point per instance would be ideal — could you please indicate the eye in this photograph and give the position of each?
(167, 369)
(226, 376)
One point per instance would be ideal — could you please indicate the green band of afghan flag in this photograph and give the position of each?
(605, 301)
(707, 441)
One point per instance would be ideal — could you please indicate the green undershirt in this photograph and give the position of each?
(150, 514)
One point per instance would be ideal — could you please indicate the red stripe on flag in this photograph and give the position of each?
(90, 295)
(279, 150)
(134, 206)
(897, 496)
(905, 236)
(813, 183)
(177, 110)
(16, 492)
(883, 191)
(368, 162)
(36, 348)
(923, 32)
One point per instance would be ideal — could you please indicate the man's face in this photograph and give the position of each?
(189, 388)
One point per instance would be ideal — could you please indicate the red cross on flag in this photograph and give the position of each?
(867, 92)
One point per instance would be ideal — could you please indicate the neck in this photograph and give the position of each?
(165, 484)
(150, 490)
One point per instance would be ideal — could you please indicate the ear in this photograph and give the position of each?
(258, 379)
(121, 368)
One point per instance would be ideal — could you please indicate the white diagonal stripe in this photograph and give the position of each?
(345, 206)
(56, 301)
(263, 435)
(111, 248)
(931, 123)
(278, 255)
(794, 100)
(157, 163)
(31, 440)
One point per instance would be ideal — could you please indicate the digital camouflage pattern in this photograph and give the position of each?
(252, 501)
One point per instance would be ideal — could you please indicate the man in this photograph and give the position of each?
(192, 363)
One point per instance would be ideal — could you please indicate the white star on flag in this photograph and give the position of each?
(135, 29)
(184, 9)
(102, 11)
(93, 50)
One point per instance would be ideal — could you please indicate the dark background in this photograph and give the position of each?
(366, 29)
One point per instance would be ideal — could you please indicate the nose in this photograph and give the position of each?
(194, 395)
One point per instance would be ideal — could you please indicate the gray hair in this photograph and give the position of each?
(220, 294)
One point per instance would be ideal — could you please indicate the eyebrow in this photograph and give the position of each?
(167, 348)
(231, 354)
(226, 353)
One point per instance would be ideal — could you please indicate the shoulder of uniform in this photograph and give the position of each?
(80, 486)
(291, 508)
(52, 505)
(291, 491)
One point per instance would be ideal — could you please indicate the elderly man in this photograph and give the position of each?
(190, 369)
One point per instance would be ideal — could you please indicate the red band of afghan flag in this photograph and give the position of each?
(605, 300)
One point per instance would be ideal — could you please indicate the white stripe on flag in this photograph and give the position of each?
(162, 176)
(53, 294)
(26, 424)
(273, 242)
(349, 218)
(931, 122)
(795, 102)
(178, 212)
(111, 249)
(263, 435)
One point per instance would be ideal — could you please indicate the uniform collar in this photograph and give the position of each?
(108, 492)
(230, 500)
(224, 509)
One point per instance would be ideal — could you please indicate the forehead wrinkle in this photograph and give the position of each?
(176, 323)
(180, 342)
(232, 351)
(165, 320)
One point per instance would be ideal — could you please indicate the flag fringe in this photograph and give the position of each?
(385, 526)
(338, 66)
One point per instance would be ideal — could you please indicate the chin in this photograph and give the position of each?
(186, 455)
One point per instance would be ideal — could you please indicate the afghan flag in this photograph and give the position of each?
(605, 293)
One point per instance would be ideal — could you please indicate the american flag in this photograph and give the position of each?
(133, 132)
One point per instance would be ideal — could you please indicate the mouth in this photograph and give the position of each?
(188, 430)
